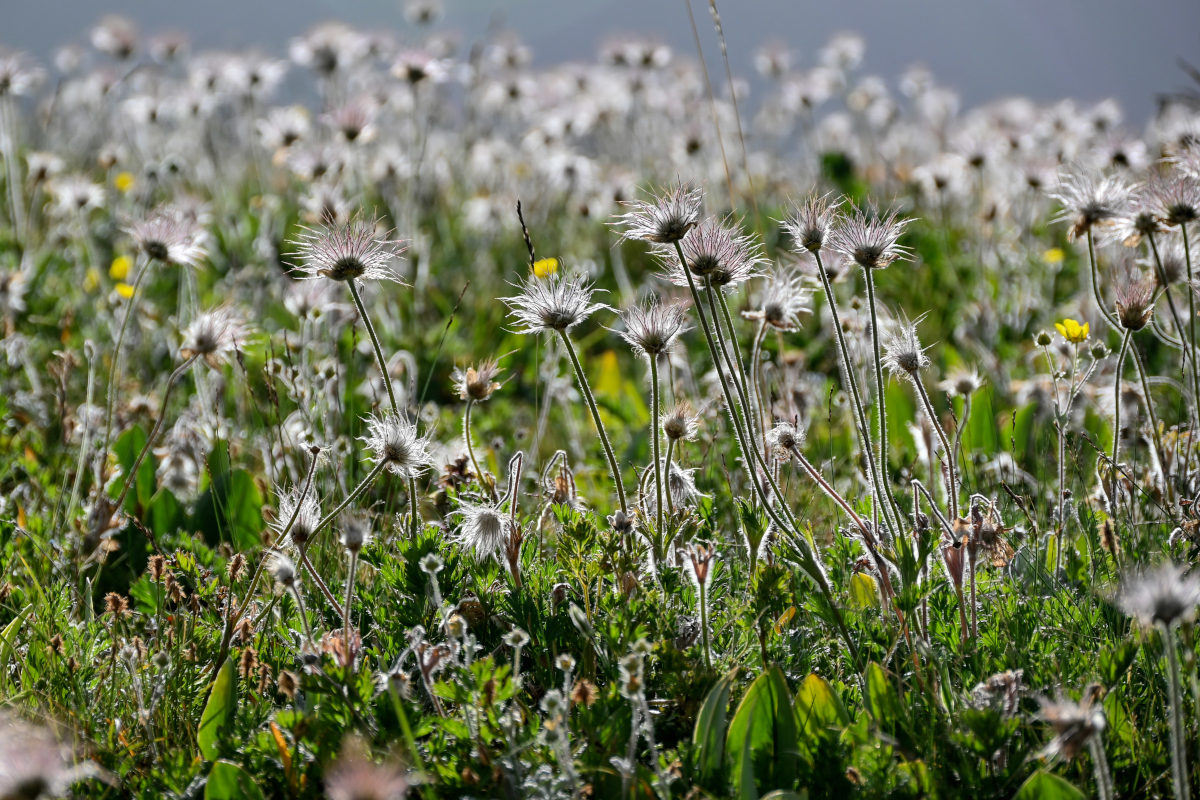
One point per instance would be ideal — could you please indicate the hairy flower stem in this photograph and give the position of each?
(1116, 448)
(667, 467)
(491, 489)
(1189, 353)
(654, 440)
(756, 387)
(860, 417)
(311, 570)
(748, 393)
(952, 477)
(1158, 445)
(1103, 775)
(890, 506)
(349, 599)
(114, 369)
(295, 589)
(362, 312)
(591, 404)
(704, 624)
(1187, 257)
(1179, 773)
(131, 478)
(809, 560)
(742, 409)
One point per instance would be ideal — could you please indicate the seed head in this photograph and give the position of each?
(170, 235)
(354, 776)
(393, 442)
(664, 220)
(681, 422)
(1089, 200)
(783, 439)
(484, 530)
(1164, 595)
(307, 512)
(963, 382)
(783, 300)
(870, 240)
(1176, 200)
(1074, 723)
(349, 251)
(902, 351)
(1135, 300)
(554, 304)
(652, 329)
(810, 223)
(282, 569)
(476, 383)
(214, 336)
(715, 251)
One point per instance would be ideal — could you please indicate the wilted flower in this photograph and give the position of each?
(350, 251)
(394, 442)
(664, 220)
(555, 304)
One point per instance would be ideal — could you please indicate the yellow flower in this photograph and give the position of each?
(125, 290)
(1072, 331)
(545, 267)
(119, 269)
(1054, 255)
(91, 279)
(123, 181)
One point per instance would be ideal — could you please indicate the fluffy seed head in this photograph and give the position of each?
(665, 219)
(714, 251)
(476, 383)
(553, 304)
(810, 223)
(307, 513)
(484, 530)
(393, 442)
(681, 422)
(1164, 595)
(171, 236)
(1135, 301)
(1176, 200)
(902, 351)
(349, 251)
(214, 336)
(783, 439)
(783, 300)
(1074, 723)
(870, 240)
(1089, 200)
(652, 329)
(282, 569)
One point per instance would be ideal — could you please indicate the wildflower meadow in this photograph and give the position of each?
(382, 417)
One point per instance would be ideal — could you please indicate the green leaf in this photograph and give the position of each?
(762, 739)
(126, 448)
(1045, 786)
(228, 781)
(218, 713)
(818, 709)
(709, 736)
(785, 794)
(884, 702)
(8, 638)
(864, 591)
(165, 514)
(982, 434)
(231, 508)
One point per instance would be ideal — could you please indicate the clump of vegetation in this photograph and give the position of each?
(324, 472)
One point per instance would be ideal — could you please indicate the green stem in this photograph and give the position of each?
(704, 625)
(946, 448)
(471, 451)
(889, 506)
(414, 510)
(362, 312)
(349, 599)
(658, 480)
(1158, 445)
(307, 565)
(667, 467)
(591, 404)
(1179, 773)
(1104, 312)
(1116, 449)
(114, 369)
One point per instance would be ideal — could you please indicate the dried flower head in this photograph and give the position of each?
(680, 422)
(962, 382)
(303, 514)
(354, 776)
(1175, 200)
(652, 329)
(1074, 723)
(870, 240)
(476, 383)
(394, 442)
(1135, 300)
(783, 439)
(716, 252)
(783, 300)
(555, 304)
(1164, 595)
(810, 222)
(902, 352)
(214, 336)
(1089, 200)
(354, 250)
(681, 483)
(34, 764)
(484, 530)
(282, 569)
(664, 220)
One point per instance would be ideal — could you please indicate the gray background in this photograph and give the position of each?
(1044, 49)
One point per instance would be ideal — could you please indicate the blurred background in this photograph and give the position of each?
(1042, 49)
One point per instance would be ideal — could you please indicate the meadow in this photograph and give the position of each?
(389, 418)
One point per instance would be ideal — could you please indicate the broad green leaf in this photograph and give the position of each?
(709, 735)
(165, 514)
(228, 781)
(762, 740)
(218, 713)
(884, 702)
(817, 708)
(982, 435)
(1046, 786)
(126, 448)
(864, 591)
(8, 638)
(231, 508)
